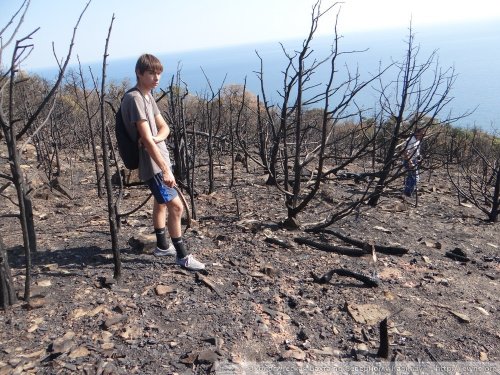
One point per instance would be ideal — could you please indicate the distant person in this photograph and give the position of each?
(143, 118)
(411, 158)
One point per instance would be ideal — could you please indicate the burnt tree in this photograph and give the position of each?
(416, 98)
(300, 141)
(105, 145)
(14, 128)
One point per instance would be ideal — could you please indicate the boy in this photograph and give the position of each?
(144, 121)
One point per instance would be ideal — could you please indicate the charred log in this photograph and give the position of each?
(389, 250)
(331, 248)
(325, 279)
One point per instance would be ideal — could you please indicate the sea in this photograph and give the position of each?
(471, 52)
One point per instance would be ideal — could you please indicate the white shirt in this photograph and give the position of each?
(412, 149)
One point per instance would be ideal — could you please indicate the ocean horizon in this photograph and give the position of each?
(471, 50)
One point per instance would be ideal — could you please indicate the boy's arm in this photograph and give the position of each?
(163, 129)
(149, 143)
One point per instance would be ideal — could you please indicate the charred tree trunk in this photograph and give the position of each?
(192, 178)
(22, 199)
(7, 293)
(112, 209)
(90, 116)
(262, 138)
(210, 149)
(493, 215)
(18, 180)
(30, 223)
(231, 144)
(176, 121)
(383, 350)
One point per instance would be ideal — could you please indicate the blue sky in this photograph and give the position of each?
(174, 25)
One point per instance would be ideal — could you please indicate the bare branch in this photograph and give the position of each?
(25, 5)
(60, 77)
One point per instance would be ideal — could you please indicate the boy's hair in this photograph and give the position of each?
(148, 62)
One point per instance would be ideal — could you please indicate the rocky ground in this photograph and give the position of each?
(257, 302)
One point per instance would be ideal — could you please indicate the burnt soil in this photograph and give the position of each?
(257, 300)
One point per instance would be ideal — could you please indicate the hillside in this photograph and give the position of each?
(258, 302)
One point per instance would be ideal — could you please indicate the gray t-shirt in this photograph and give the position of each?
(136, 107)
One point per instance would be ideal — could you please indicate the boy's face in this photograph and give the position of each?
(149, 79)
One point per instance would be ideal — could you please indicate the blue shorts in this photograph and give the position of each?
(161, 192)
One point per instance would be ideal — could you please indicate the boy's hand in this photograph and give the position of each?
(169, 179)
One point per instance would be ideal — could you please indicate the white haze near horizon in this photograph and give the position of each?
(174, 26)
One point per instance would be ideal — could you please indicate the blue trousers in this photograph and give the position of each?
(412, 177)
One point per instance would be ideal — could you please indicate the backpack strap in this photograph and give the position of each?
(145, 106)
(146, 109)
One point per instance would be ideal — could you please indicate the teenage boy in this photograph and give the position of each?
(144, 121)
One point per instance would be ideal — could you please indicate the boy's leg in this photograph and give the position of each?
(167, 200)
(161, 195)
(159, 214)
(159, 219)
(175, 210)
(184, 259)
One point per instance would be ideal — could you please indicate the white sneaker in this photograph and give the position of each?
(161, 253)
(190, 263)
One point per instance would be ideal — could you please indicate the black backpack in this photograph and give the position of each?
(128, 147)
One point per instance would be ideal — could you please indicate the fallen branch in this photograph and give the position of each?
(367, 280)
(137, 208)
(389, 250)
(330, 248)
(186, 208)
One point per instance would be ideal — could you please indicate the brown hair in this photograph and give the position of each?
(148, 62)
